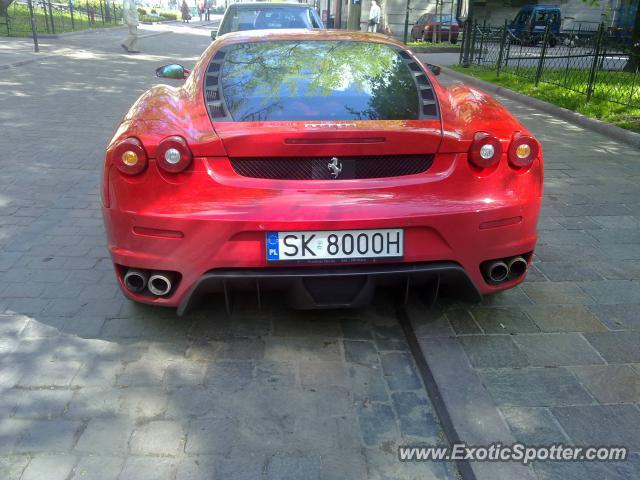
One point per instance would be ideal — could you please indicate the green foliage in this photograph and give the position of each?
(573, 99)
(142, 11)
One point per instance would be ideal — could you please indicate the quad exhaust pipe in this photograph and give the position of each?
(157, 283)
(160, 283)
(517, 267)
(136, 280)
(497, 271)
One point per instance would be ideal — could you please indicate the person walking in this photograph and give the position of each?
(131, 20)
(200, 9)
(374, 16)
(186, 14)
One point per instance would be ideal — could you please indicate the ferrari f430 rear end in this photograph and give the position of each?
(320, 166)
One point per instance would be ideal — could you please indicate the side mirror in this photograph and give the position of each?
(174, 71)
(214, 34)
(435, 69)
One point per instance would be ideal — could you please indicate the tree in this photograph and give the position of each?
(4, 7)
(634, 55)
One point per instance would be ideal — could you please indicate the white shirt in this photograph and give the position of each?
(374, 13)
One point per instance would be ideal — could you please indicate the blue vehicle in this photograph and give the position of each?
(531, 21)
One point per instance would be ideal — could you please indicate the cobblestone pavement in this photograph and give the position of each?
(95, 387)
(560, 355)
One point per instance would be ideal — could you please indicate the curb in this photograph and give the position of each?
(89, 31)
(466, 411)
(607, 129)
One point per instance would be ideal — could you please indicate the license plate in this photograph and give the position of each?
(339, 245)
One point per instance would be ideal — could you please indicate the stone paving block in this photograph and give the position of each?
(296, 349)
(534, 387)
(601, 424)
(463, 322)
(618, 270)
(377, 424)
(98, 373)
(416, 417)
(50, 374)
(565, 318)
(38, 403)
(241, 349)
(98, 468)
(618, 317)
(55, 435)
(616, 347)
(356, 329)
(305, 324)
(142, 373)
(565, 293)
(94, 402)
(533, 425)
(148, 468)
(142, 402)
(399, 371)
(557, 349)
(493, 351)
(429, 323)
(184, 372)
(343, 464)
(11, 431)
(610, 383)
(192, 401)
(229, 375)
(294, 466)
(51, 467)
(384, 465)
(328, 400)
(160, 437)
(613, 291)
(568, 272)
(11, 467)
(390, 337)
(503, 320)
(276, 373)
(323, 373)
(361, 353)
(514, 297)
(201, 467)
(104, 436)
(214, 436)
(367, 383)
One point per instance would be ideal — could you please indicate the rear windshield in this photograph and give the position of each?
(268, 18)
(318, 80)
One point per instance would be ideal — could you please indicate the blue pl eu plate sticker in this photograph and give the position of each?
(273, 252)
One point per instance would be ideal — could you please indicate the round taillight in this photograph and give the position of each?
(522, 151)
(485, 151)
(173, 154)
(130, 157)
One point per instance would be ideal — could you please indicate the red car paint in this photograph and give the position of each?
(208, 217)
(425, 25)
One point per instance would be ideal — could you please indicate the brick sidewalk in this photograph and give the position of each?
(95, 387)
(560, 355)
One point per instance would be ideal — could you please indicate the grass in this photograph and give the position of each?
(20, 24)
(567, 90)
(445, 45)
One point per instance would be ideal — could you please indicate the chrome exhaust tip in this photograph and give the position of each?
(517, 267)
(497, 271)
(160, 283)
(135, 280)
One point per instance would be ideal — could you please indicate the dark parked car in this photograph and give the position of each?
(531, 22)
(267, 15)
(423, 29)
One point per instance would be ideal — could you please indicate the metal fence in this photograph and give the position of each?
(53, 18)
(597, 63)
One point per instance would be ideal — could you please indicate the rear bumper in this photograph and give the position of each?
(210, 226)
(330, 287)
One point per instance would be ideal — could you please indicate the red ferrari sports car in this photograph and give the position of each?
(320, 166)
